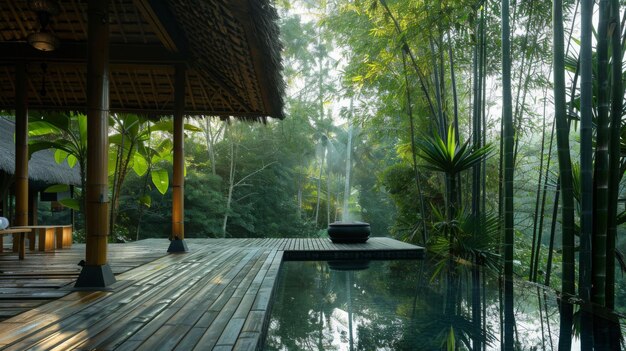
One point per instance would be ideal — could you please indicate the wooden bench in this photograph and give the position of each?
(47, 236)
(21, 234)
(64, 236)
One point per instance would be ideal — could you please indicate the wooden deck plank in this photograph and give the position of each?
(216, 296)
(169, 339)
(147, 334)
(111, 337)
(222, 322)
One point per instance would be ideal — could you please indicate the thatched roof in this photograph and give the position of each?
(230, 48)
(41, 167)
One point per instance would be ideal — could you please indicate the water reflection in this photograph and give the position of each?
(408, 305)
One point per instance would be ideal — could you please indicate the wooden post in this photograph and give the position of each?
(177, 240)
(33, 207)
(96, 272)
(72, 212)
(21, 146)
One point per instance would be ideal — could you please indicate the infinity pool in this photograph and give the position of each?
(402, 305)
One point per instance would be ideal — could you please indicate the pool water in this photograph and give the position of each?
(403, 305)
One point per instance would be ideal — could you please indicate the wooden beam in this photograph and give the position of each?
(158, 14)
(146, 54)
(149, 111)
(96, 272)
(21, 146)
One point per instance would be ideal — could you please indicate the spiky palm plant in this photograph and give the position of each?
(451, 158)
(448, 156)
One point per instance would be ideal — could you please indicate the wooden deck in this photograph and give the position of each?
(217, 296)
(41, 276)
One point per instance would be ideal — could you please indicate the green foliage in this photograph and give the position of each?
(67, 136)
(204, 205)
(160, 179)
(447, 156)
(59, 188)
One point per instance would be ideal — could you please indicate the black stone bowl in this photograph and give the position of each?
(349, 232)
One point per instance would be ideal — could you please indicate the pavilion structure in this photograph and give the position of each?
(151, 57)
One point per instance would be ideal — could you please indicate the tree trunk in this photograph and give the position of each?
(328, 193)
(319, 187)
(209, 144)
(413, 151)
(231, 183)
(345, 211)
(536, 241)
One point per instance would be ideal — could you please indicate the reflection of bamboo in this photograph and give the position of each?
(484, 305)
(555, 212)
(320, 339)
(348, 289)
(543, 339)
(545, 305)
(476, 307)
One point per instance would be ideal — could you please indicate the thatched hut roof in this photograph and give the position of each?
(230, 48)
(41, 167)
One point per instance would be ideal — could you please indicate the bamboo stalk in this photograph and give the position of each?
(508, 134)
(565, 167)
(614, 151)
(178, 181)
(97, 194)
(597, 209)
(413, 151)
(21, 146)
(476, 123)
(593, 201)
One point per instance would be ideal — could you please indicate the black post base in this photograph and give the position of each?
(95, 277)
(177, 246)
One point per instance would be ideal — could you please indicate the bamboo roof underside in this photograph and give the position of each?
(230, 48)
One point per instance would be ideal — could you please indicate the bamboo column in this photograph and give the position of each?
(21, 146)
(177, 243)
(96, 272)
(21, 152)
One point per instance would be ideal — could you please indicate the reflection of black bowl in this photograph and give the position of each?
(349, 232)
(357, 265)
